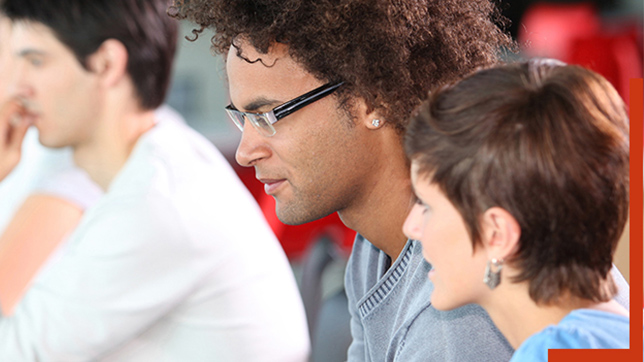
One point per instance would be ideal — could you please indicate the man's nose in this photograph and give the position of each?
(252, 147)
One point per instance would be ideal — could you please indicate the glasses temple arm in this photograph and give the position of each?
(289, 107)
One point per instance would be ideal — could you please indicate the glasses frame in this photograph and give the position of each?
(263, 122)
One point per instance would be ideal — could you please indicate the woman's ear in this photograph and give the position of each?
(501, 233)
(109, 62)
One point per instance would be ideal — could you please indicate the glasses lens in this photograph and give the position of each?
(261, 123)
(237, 118)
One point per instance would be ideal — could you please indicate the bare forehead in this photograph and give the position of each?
(28, 34)
(5, 29)
(244, 59)
(274, 77)
(5, 58)
(417, 173)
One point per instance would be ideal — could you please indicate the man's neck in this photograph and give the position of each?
(379, 211)
(104, 156)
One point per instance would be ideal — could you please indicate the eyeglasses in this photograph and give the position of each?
(263, 122)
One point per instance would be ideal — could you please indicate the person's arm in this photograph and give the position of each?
(357, 349)
(623, 289)
(13, 127)
(37, 228)
(127, 265)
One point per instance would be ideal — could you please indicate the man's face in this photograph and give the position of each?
(5, 58)
(317, 161)
(60, 94)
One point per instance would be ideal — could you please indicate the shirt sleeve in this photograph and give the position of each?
(124, 268)
(623, 289)
(72, 185)
(357, 348)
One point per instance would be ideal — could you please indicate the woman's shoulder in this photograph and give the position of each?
(582, 328)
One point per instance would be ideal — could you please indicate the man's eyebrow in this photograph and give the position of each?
(258, 103)
(30, 51)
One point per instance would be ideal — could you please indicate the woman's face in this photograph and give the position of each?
(457, 267)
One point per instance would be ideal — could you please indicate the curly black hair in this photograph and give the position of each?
(390, 53)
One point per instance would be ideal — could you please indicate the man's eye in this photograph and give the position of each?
(36, 62)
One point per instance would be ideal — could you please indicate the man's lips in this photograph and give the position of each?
(30, 107)
(26, 112)
(271, 185)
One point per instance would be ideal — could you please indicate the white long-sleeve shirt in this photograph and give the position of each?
(174, 263)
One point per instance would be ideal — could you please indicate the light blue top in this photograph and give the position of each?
(582, 328)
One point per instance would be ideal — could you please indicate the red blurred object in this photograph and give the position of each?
(296, 239)
(614, 55)
(576, 34)
(547, 29)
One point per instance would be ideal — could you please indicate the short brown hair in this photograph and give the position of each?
(546, 142)
(389, 53)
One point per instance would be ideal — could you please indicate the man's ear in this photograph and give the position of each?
(501, 233)
(371, 119)
(109, 62)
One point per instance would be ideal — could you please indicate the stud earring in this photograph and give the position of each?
(493, 278)
(375, 123)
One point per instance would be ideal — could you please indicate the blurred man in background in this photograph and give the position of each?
(45, 189)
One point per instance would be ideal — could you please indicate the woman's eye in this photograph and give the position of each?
(420, 203)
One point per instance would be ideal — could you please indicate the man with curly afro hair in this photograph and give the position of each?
(322, 91)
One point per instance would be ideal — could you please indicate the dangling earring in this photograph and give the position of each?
(375, 123)
(493, 278)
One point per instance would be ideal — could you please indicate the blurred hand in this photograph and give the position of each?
(13, 126)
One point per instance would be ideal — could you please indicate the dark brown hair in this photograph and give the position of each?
(549, 144)
(143, 26)
(389, 53)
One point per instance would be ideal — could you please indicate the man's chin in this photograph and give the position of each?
(290, 214)
(49, 143)
(289, 218)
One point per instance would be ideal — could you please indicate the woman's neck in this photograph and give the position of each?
(518, 316)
